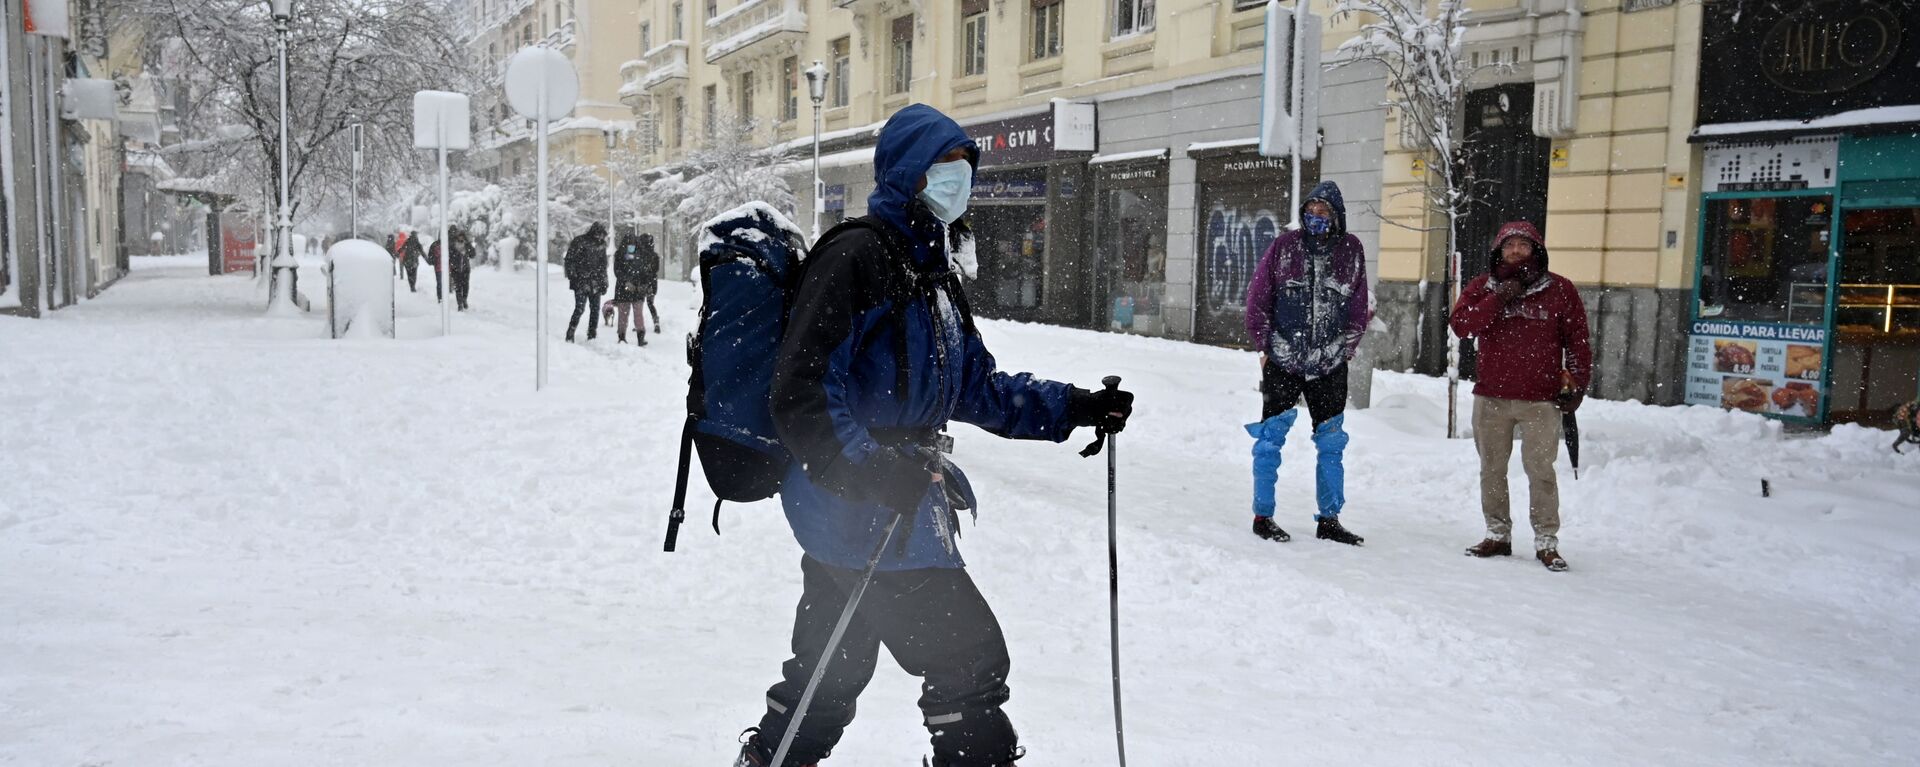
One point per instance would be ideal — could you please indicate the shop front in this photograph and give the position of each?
(1032, 265)
(1807, 304)
(1244, 203)
(1130, 245)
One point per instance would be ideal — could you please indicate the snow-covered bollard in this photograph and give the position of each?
(360, 283)
(504, 252)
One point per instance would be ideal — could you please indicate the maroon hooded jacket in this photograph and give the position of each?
(1525, 343)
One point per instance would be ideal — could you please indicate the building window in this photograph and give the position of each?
(679, 120)
(1046, 28)
(493, 51)
(713, 8)
(526, 34)
(746, 96)
(712, 104)
(1766, 259)
(973, 37)
(1132, 17)
(790, 80)
(902, 55)
(679, 21)
(841, 52)
(646, 36)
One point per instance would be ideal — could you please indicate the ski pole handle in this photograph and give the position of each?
(1112, 383)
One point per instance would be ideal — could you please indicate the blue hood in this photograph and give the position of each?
(910, 143)
(1329, 191)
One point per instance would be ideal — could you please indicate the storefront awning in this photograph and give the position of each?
(1145, 154)
(1879, 118)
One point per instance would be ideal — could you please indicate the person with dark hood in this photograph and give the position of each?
(1307, 309)
(879, 355)
(629, 287)
(1535, 362)
(649, 279)
(586, 268)
(410, 256)
(459, 263)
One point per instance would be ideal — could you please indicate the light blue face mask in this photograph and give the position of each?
(949, 185)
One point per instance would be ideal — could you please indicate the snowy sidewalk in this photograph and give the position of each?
(227, 540)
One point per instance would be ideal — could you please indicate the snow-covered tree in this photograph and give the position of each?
(1427, 79)
(732, 169)
(349, 61)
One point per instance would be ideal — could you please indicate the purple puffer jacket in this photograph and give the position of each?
(1307, 320)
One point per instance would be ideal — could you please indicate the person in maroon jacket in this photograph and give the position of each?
(1535, 363)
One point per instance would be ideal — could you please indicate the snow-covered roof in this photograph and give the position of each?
(1202, 146)
(1909, 113)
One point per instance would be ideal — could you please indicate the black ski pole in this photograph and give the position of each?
(1113, 577)
(833, 642)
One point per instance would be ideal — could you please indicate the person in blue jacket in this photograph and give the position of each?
(879, 354)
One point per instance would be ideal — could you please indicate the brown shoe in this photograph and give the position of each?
(1491, 548)
(1551, 558)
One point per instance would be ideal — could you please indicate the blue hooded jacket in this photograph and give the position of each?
(879, 354)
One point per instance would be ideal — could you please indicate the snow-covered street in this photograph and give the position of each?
(228, 540)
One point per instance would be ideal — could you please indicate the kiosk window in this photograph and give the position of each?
(1765, 259)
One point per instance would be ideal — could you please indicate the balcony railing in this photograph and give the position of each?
(665, 64)
(633, 89)
(752, 22)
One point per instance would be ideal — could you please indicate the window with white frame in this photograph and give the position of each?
(1046, 29)
(646, 36)
(679, 120)
(841, 52)
(1132, 17)
(746, 96)
(973, 37)
(790, 85)
(712, 104)
(679, 21)
(902, 55)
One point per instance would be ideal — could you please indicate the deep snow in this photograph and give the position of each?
(227, 540)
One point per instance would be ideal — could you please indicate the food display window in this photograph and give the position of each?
(1876, 315)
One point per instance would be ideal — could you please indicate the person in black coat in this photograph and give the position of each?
(630, 287)
(410, 255)
(586, 268)
(459, 263)
(649, 278)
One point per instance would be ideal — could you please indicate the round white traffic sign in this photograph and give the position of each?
(537, 73)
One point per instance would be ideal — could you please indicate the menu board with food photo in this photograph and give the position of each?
(1775, 370)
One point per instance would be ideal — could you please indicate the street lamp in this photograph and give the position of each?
(817, 89)
(612, 141)
(284, 263)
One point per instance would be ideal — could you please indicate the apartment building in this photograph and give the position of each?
(596, 35)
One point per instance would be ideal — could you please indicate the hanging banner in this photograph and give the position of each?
(1773, 370)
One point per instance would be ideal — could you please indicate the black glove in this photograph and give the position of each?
(1106, 409)
(894, 478)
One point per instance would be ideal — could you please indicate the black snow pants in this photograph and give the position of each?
(462, 278)
(588, 303)
(412, 268)
(1280, 391)
(936, 625)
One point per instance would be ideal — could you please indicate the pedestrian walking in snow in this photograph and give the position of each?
(649, 278)
(586, 268)
(629, 288)
(459, 264)
(410, 255)
(1307, 310)
(878, 356)
(1531, 332)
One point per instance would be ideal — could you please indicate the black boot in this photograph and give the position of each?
(1265, 528)
(755, 754)
(569, 335)
(1331, 530)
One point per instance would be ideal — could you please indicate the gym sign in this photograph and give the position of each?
(1830, 47)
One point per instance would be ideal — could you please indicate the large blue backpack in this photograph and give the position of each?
(751, 261)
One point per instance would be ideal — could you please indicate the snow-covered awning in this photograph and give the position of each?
(1204, 146)
(1876, 116)
(1144, 154)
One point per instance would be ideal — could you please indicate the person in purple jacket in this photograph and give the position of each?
(1307, 309)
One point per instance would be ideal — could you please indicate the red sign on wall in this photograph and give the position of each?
(238, 234)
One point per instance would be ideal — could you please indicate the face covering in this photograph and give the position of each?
(1318, 224)
(949, 184)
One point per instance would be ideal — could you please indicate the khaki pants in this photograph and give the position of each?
(1494, 423)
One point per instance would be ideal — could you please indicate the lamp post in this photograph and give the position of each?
(612, 141)
(358, 146)
(285, 265)
(817, 89)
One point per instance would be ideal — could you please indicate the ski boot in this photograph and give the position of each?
(752, 754)
(1331, 530)
(1265, 528)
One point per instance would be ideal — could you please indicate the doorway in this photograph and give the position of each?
(1505, 167)
(1876, 316)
